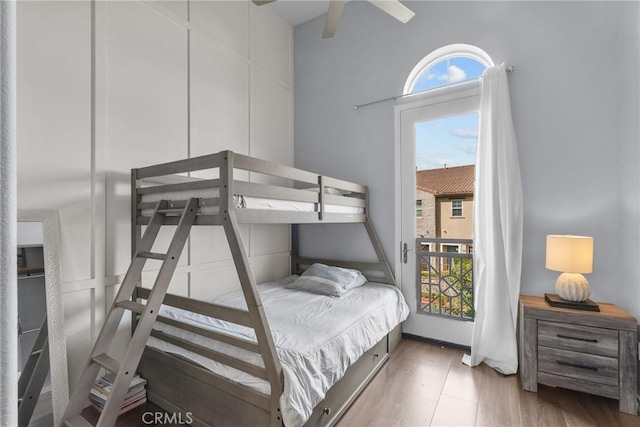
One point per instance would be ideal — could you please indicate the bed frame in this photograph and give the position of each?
(183, 387)
(203, 397)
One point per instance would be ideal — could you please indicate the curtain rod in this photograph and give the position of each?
(509, 69)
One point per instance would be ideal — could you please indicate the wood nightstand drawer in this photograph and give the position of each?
(583, 366)
(592, 387)
(586, 339)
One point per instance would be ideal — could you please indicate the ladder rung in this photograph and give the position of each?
(152, 255)
(131, 305)
(77, 421)
(175, 211)
(107, 362)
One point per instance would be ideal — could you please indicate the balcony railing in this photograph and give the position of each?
(445, 279)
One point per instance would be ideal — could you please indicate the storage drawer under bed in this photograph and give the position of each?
(344, 392)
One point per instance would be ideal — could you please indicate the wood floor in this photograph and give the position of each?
(427, 385)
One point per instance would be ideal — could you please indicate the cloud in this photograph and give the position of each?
(464, 133)
(442, 76)
(456, 74)
(431, 76)
(467, 148)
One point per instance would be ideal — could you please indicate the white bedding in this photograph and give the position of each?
(244, 202)
(317, 338)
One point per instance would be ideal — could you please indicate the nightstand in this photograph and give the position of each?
(593, 352)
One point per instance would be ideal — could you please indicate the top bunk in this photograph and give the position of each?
(276, 194)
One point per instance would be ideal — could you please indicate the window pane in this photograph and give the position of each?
(446, 142)
(434, 76)
(456, 207)
(449, 71)
(418, 208)
(470, 67)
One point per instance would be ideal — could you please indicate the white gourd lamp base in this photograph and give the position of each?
(573, 287)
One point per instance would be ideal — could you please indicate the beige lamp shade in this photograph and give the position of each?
(570, 254)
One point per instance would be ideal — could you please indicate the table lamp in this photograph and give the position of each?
(571, 255)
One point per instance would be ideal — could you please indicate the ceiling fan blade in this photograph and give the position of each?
(394, 8)
(261, 2)
(333, 16)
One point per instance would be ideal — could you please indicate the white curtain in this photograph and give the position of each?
(497, 229)
(8, 217)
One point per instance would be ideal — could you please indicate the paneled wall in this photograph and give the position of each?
(107, 86)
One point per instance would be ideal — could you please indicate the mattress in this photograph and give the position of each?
(246, 202)
(317, 338)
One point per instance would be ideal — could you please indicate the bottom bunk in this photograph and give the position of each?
(329, 348)
(181, 387)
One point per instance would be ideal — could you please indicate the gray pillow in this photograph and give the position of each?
(326, 280)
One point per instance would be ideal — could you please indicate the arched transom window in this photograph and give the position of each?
(447, 66)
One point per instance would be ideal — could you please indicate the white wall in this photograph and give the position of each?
(107, 86)
(30, 234)
(630, 155)
(574, 99)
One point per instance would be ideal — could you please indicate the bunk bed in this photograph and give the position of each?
(190, 340)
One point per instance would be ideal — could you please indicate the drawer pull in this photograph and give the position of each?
(327, 411)
(376, 355)
(577, 365)
(576, 338)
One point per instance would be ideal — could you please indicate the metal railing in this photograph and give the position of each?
(445, 279)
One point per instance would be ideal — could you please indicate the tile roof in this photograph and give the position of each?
(454, 180)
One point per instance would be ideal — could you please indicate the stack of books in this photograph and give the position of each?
(136, 396)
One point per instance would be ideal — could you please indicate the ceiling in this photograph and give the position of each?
(299, 11)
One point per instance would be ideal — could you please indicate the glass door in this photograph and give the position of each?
(438, 146)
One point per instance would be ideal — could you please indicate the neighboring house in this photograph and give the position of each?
(444, 205)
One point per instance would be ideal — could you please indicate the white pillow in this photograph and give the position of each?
(326, 280)
(360, 280)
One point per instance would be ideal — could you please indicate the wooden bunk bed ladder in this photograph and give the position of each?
(124, 371)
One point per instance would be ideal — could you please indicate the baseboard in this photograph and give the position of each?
(412, 337)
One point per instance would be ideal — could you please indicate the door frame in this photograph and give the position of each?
(470, 89)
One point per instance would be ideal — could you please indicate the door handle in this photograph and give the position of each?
(405, 251)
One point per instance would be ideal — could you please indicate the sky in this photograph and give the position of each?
(451, 141)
